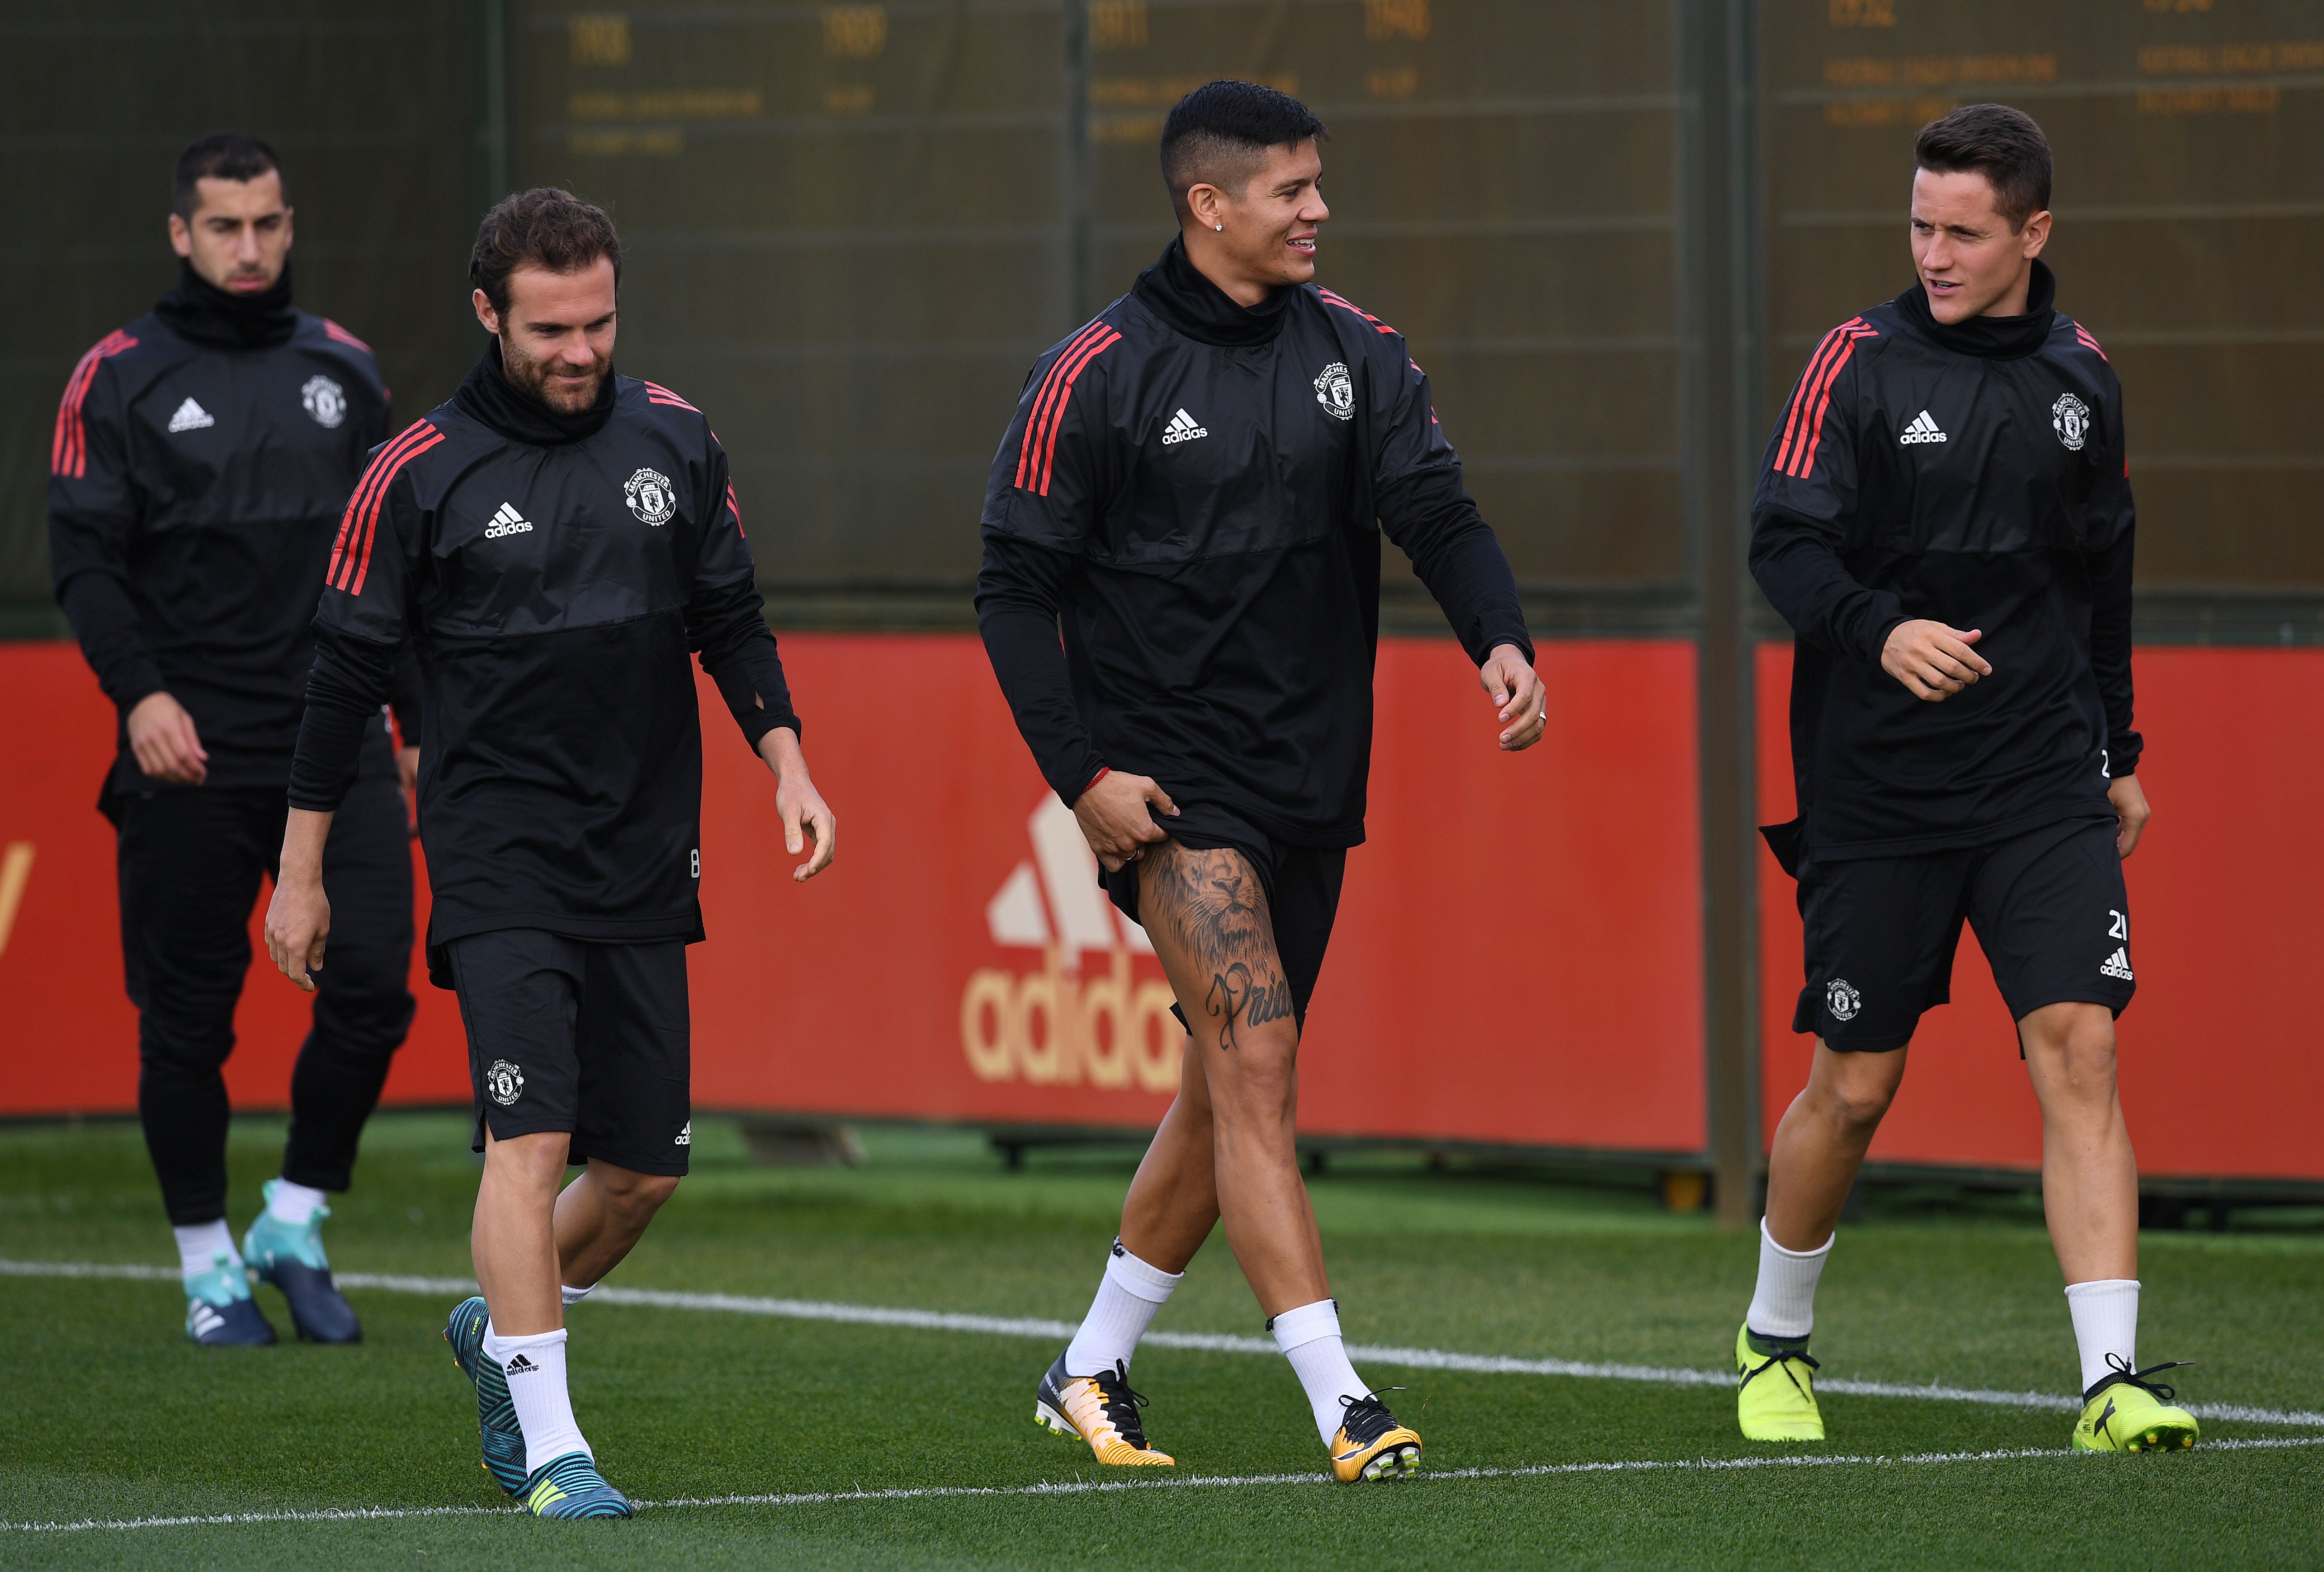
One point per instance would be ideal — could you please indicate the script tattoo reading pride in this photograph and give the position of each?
(1217, 909)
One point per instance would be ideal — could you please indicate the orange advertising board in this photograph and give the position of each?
(1518, 957)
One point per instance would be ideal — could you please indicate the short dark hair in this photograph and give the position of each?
(1218, 134)
(222, 155)
(2003, 144)
(544, 227)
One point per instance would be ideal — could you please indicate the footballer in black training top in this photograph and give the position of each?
(203, 454)
(554, 542)
(1196, 483)
(1945, 518)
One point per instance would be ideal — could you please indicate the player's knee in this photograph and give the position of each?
(1262, 1085)
(634, 1194)
(1858, 1099)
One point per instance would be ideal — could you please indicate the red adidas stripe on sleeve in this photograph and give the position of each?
(1036, 456)
(2083, 336)
(333, 330)
(1345, 304)
(657, 394)
(69, 448)
(1037, 414)
(1804, 419)
(351, 553)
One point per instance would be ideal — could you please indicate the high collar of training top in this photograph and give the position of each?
(487, 394)
(1988, 337)
(1175, 290)
(201, 313)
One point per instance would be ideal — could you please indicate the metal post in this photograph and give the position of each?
(1078, 172)
(1718, 264)
(491, 101)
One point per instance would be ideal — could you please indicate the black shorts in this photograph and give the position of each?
(1302, 885)
(586, 1037)
(2050, 910)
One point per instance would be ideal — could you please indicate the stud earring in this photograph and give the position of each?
(1220, 228)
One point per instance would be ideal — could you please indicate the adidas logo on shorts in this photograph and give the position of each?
(2116, 965)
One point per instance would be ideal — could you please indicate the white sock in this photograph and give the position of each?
(199, 1247)
(1127, 1299)
(1309, 1338)
(535, 1368)
(294, 1204)
(576, 1295)
(1783, 1303)
(2106, 1322)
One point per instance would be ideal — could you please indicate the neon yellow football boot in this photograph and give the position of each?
(1776, 1400)
(2127, 1413)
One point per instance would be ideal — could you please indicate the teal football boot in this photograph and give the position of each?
(496, 1423)
(291, 1257)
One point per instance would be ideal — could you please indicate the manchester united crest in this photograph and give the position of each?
(504, 1083)
(325, 400)
(2069, 417)
(650, 498)
(1336, 393)
(1842, 1000)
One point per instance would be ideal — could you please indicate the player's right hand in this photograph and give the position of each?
(1933, 661)
(298, 921)
(1114, 820)
(162, 737)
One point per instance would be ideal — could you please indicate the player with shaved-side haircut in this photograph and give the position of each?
(1196, 483)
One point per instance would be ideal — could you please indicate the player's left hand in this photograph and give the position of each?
(2130, 813)
(1518, 699)
(806, 818)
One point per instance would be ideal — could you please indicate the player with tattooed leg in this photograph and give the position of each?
(1196, 483)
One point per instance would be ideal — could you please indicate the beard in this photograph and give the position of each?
(539, 378)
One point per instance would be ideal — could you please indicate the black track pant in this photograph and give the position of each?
(190, 862)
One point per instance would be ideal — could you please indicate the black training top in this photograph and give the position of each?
(201, 458)
(1195, 486)
(553, 572)
(1973, 475)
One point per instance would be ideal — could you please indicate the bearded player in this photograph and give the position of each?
(555, 540)
(1945, 520)
(1196, 483)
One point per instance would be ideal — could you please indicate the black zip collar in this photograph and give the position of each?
(487, 395)
(1175, 290)
(199, 312)
(1987, 337)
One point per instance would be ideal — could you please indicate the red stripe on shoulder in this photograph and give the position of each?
(351, 552)
(734, 508)
(1344, 304)
(1803, 464)
(344, 337)
(1803, 421)
(1037, 414)
(1089, 351)
(2089, 343)
(69, 447)
(657, 394)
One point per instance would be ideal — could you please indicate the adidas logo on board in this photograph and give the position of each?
(1923, 429)
(507, 521)
(191, 416)
(1183, 428)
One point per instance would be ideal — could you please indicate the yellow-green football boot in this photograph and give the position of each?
(1776, 1400)
(2127, 1413)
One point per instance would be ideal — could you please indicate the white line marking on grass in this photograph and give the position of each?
(1118, 1486)
(871, 1315)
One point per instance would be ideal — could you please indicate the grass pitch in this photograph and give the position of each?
(110, 1415)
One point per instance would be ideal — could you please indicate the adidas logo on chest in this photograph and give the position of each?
(507, 521)
(1922, 427)
(191, 416)
(1183, 428)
